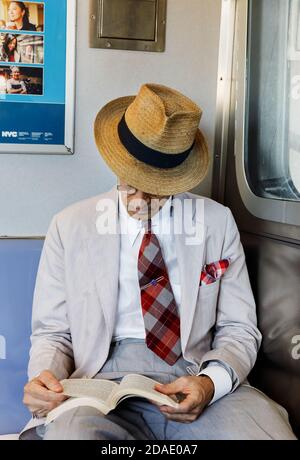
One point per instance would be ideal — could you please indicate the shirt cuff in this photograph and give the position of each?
(221, 380)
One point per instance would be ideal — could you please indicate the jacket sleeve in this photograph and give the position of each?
(236, 337)
(51, 344)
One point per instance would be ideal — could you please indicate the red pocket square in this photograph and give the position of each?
(213, 271)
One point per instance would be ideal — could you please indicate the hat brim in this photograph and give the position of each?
(149, 179)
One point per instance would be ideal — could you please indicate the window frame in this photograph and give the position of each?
(276, 210)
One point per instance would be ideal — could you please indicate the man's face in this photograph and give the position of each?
(140, 205)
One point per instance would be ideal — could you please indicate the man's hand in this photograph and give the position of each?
(197, 393)
(43, 394)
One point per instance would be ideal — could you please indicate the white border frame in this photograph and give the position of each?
(68, 148)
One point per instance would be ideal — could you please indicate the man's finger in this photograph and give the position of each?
(171, 388)
(51, 382)
(36, 390)
(171, 410)
(187, 406)
(36, 404)
(183, 418)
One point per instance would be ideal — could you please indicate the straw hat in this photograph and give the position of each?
(152, 142)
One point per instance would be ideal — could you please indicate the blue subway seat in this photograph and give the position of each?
(18, 268)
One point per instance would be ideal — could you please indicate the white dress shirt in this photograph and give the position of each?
(129, 318)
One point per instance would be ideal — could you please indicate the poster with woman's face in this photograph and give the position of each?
(21, 16)
(21, 42)
(34, 85)
(21, 48)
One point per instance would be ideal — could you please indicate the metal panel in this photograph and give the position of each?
(227, 28)
(137, 25)
(129, 19)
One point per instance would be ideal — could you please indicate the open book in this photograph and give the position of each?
(105, 395)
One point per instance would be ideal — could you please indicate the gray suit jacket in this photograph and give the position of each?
(76, 293)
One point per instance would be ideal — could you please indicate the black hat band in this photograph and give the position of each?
(147, 155)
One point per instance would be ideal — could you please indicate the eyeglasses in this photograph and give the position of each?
(126, 188)
(132, 190)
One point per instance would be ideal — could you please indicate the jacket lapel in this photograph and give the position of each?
(190, 260)
(104, 254)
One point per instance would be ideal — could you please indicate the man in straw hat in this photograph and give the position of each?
(149, 279)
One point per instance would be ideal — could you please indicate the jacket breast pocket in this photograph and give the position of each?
(209, 289)
(207, 303)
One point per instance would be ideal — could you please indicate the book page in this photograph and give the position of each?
(94, 388)
(139, 385)
(76, 402)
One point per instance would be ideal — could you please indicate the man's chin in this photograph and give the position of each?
(139, 216)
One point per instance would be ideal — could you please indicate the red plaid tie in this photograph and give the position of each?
(159, 308)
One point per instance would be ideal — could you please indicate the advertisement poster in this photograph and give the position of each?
(34, 75)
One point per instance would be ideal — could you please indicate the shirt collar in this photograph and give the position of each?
(132, 227)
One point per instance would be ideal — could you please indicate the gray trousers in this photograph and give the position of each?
(246, 414)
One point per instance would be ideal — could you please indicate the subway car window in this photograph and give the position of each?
(272, 131)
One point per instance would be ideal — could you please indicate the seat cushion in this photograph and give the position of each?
(18, 267)
(9, 437)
